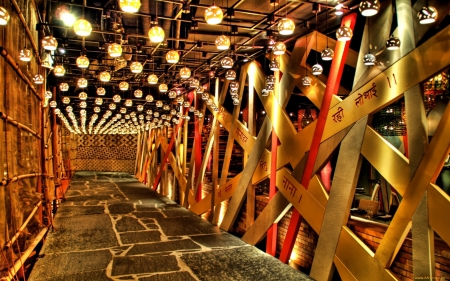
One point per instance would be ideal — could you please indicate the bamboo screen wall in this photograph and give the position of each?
(107, 153)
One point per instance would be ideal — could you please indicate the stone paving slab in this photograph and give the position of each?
(114, 228)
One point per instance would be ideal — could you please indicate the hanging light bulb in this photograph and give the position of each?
(230, 74)
(172, 56)
(158, 104)
(123, 86)
(83, 104)
(47, 60)
(59, 70)
(194, 84)
(152, 79)
(83, 96)
(136, 67)
(63, 87)
(82, 83)
(49, 43)
(112, 106)
(98, 101)
(156, 34)
(101, 91)
(369, 8)
(82, 61)
(117, 98)
(344, 33)
(97, 109)
(115, 50)
(205, 96)
(279, 48)
(180, 100)
(317, 69)
(104, 76)
(200, 90)
(65, 100)
(327, 54)
(129, 6)
(48, 95)
(274, 65)
(82, 27)
(172, 94)
(213, 15)
(128, 103)
(185, 72)
(270, 79)
(306, 81)
(234, 86)
(186, 104)
(235, 102)
(53, 104)
(227, 62)
(140, 107)
(69, 109)
(338, 9)
(138, 93)
(286, 26)
(223, 42)
(393, 43)
(4, 16)
(123, 110)
(369, 59)
(163, 88)
(149, 98)
(25, 55)
(427, 15)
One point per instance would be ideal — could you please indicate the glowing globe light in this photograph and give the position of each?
(227, 62)
(25, 55)
(163, 88)
(63, 87)
(286, 26)
(128, 103)
(172, 94)
(83, 104)
(230, 74)
(82, 83)
(65, 100)
(82, 27)
(82, 62)
(185, 72)
(115, 50)
(4, 16)
(393, 43)
(327, 54)
(49, 43)
(138, 93)
(112, 106)
(83, 96)
(101, 91)
(274, 65)
(123, 86)
(59, 70)
(152, 79)
(369, 8)
(344, 33)
(136, 67)
(129, 6)
(279, 48)
(427, 15)
(98, 101)
(317, 69)
(223, 42)
(53, 104)
(213, 15)
(172, 56)
(117, 98)
(156, 34)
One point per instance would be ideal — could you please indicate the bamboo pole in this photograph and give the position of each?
(17, 178)
(21, 261)
(14, 64)
(25, 223)
(19, 125)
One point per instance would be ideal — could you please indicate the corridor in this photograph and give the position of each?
(111, 227)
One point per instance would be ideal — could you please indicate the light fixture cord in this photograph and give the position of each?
(317, 23)
(368, 31)
(306, 48)
(326, 22)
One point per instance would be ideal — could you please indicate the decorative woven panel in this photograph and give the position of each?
(108, 153)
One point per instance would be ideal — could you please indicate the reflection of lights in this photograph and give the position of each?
(263, 112)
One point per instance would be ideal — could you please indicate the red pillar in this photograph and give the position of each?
(271, 244)
(170, 146)
(334, 78)
(198, 152)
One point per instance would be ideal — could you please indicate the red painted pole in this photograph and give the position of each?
(198, 152)
(170, 146)
(334, 78)
(271, 244)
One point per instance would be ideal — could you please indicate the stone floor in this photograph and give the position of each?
(114, 228)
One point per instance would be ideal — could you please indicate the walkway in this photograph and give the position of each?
(114, 228)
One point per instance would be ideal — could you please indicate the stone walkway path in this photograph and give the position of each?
(114, 228)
